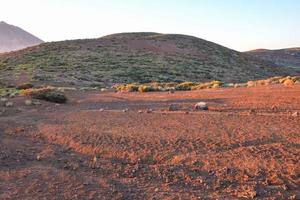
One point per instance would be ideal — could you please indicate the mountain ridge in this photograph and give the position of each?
(289, 57)
(13, 38)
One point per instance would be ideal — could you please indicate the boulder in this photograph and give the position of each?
(201, 106)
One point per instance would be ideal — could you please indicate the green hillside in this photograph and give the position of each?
(132, 57)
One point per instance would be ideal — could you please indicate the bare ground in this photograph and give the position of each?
(246, 146)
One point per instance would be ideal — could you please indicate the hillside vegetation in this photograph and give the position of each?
(284, 57)
(133, 57)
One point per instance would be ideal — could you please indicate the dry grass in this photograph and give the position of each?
(186, 86)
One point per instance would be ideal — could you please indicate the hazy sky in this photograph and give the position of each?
(237, 24)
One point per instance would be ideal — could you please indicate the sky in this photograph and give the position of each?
(238, 24)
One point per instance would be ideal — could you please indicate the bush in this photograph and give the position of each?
(212, 84)
(53, 96)
(146, 88)
(127, 87)
(47, 94)
(8, 92)
(30, 92)
(287, 80)
(185, 86)
(25, 86)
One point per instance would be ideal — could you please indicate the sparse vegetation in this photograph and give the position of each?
(8, 92)
(25, 86)
(185, 86)
(286, 80)
(46, 93)
(115, 59)
(52, 96)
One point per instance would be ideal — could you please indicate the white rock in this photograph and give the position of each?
(28, 102)
(295, 114)
(3, 99)
(201, 106)
(9, 104)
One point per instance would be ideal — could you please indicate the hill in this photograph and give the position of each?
(133, 57)
(14, 38)
(286, 57)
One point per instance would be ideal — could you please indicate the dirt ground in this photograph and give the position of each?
(105, 145)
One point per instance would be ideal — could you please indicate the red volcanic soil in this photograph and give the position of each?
(247, 145)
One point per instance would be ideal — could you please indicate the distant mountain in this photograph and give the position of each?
(285, 57)
(134, 57)
(14, 38)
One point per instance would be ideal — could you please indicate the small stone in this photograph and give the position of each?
(140, 111)
(251, 111)
(172, 91)
(125, 110)
(274, 107)
(38, 157)
(28, 102)
(37, 103)
(149, 111)
(94, 159)
(295, 114)
(101, 110)
(9, 104)
(3, 99)
(201, 106)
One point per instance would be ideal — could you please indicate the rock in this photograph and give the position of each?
(274, 107)
(3, 99)
(9, 104)
(295, 114)
(36, 103)
(103, 90)
(174, 107)
(251, 111)
(171, 91)
(28, 102)
(101, 110)
(149, 110)
(125, 110)
(201, 106)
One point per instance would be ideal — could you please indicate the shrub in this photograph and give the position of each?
(127, 87)
(47, 94)
(25, 86)
(170, 85)
(30, 92)
(185, 86)
(146, 88)
(52, 96)
(8, 92)
(212, 84)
